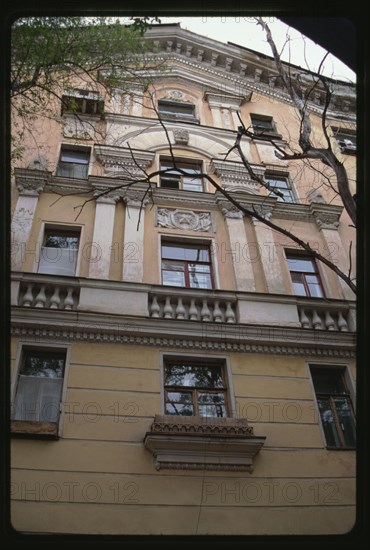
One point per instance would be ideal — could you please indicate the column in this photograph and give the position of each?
(29, 186)
(269, 256)
(102, 237)
(243, 269)
(133, 247)
(327, 220)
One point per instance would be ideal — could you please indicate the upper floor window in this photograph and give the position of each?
(39, 385)
(176, 111)
(59, 251)
(186, 265)
(73, 162)
(264, 125)
(305, 276)
(282, 185)
(185, 176)
(335, 406)
(82, 102)
(195, 387)
(346, 140)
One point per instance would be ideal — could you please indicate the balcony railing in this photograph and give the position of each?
(36, 290)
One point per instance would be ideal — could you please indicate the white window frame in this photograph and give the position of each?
(43, 345)
(280, 176)
(225, 359)
(46, 226)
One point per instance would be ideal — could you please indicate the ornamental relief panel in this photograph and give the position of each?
(186, 220)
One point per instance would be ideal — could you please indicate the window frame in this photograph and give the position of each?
(289, 255)
(73, 229)
(340, 134)
(177, 116)
(219, 360)
(280, 177)
(85, 98)
(68, 147)
(181, 163)
(34, 429)
(184, 243)
(349, 395)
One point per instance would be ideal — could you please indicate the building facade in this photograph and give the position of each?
(179, 367)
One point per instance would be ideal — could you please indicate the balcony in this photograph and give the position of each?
(171, 314)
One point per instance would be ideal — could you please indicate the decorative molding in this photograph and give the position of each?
(175, 95)
(231, 211)
(234, 176)
(123, 162)
(193, 443)
(186, 220)
(181, 136)
(31, 182)
(326, 216)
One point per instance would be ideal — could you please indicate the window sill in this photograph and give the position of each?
(197, 443)
(267, 135)
(32, 429)
(340, 448)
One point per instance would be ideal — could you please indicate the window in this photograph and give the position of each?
(185, 176)
(305, 276)
(73, 163)
(263, 125)
(83, 102)
(186, 265)
(195, 388)
(335, 406)
(59, 252)
(346, 140)
(39, 386)
(177, 111)
(282, 185)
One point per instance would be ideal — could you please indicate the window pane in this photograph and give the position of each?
(171, 265)
(204, 376)
(179, 409)
(299, 289)
(179, 397)
(173, 278)
(346, 421)
(58, 261)
(46, 365)
(170, 183)
(77, 157)
(315, 290)
(200, 280)
(61, 240)
(188, 253)
(276, 182)
(301, 264)
(37, 399)
(199, 268)
(328, 381)
(328, 423)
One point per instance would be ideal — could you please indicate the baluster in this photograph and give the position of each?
(329, 321)
(193, 312)
(342, 323)
(41, 297)
(180, 310)
(68, 301)
(167, 310)
(55, 299)
(205, 313)
(154, 308)
(28, 297)
(217, 313)
(316, 321)
(305, 322)
(230, 315)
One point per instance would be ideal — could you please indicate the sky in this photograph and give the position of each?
(243, 31)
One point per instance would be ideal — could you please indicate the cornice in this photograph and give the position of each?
(68, 326)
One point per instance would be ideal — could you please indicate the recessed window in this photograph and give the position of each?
(82, 102)
(186, 265)
(176, 111)
(305, 276)
(39, 386)
(263, 125)
(335, 406)
(73, 163)
(282, 185)
(59, 252)
(183, 175)
(346, 140)
(195, 388)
